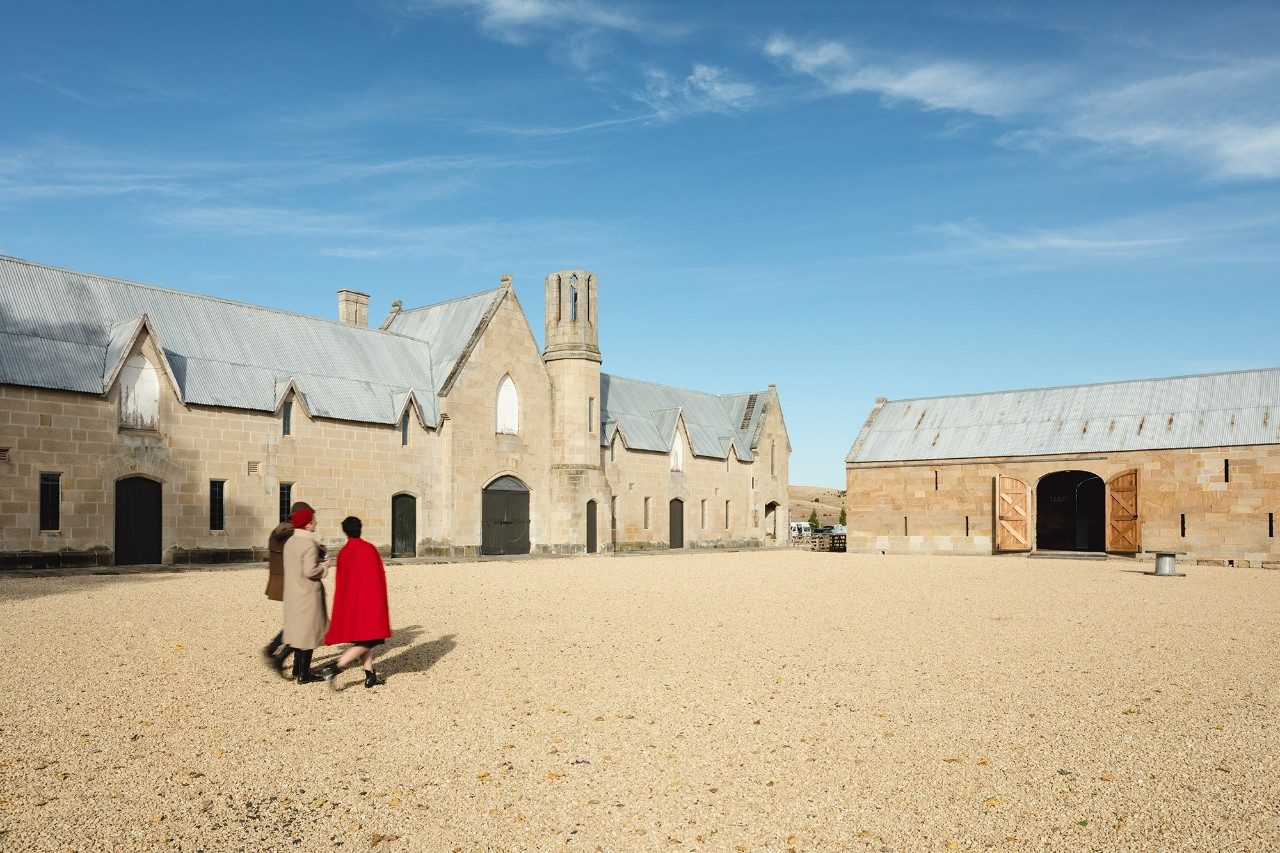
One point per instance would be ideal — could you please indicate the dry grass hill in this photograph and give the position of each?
(805, 499)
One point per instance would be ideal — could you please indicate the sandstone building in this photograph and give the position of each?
(1186, 465)
(145, 425)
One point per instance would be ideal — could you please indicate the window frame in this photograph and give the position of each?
(50, 510)
(286, 418)
(217, 505)
(286, 500)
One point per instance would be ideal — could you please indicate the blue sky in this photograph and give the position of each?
(847, 199)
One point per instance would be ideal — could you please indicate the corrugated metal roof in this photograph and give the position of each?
(57, 327)
(1208, 410)
(647, 413)
(447, 325)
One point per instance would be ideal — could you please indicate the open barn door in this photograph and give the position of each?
(1124, 528)
(1013, 513)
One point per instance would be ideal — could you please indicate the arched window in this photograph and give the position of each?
(508, 420)
(139, 394)
(677, 453)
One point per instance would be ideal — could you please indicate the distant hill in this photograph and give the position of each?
(805, 499)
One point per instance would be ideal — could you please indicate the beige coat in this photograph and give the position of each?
(305, 616)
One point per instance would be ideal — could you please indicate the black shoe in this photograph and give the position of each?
(302, 667)
(275, 662)
(330, 673)
(371, 678)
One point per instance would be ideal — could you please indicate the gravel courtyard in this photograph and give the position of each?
(732, 701)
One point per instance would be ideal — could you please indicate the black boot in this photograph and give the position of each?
(329, 672)
(371, 678)
(276, 661)
(302, 666)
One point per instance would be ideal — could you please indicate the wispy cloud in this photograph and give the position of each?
(520, 21)
(355, 236)
(1221, 115)
(938, 84)
(706, 89)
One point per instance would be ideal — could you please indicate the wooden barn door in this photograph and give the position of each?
(139, 518)
(677, 523)
(404, 526)
(1124, 529)
(1013, 514)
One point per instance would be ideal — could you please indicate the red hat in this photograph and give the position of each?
(301, 518)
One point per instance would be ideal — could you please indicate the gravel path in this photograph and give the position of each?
(735, 702)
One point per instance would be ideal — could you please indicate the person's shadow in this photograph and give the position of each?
(401, 653)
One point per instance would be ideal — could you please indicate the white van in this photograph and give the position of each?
(800, 528)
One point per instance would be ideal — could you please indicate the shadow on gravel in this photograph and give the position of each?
(400, 654)
(19, 586)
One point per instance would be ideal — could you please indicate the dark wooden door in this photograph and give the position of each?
(591, 527)
(139, 514)
(677, 523)
(404, 526)
(505, 518)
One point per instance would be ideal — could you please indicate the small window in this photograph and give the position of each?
(646, 513)
(726, 515)
(217, 516)
(50, 501)
(254, 468)
(573, 301)
(613, 514)
(591, 415)
(966, 525)
(1271, 525)
(773, 448)
(1226, 470)
(286, 500)
(286, 419)
(613, 449)
(677, 454)
(508, 413)
(404, 429)
(753, 482)
(1182, 525)
(4, 454)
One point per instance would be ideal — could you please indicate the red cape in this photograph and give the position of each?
(359, 596)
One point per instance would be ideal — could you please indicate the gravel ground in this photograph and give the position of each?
(734, 701)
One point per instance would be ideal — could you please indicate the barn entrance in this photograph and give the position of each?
(591, 527)
(771, 520)
(1071, 512)
(404, 526)
(139, 513)
(505, 517)
(677, 523)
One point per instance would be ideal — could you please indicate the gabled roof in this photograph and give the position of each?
(647, 414)
(449, 326)
(1207, 410)
(58, 329)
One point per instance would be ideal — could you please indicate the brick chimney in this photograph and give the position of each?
(353, 307)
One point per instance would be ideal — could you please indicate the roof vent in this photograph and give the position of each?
(751, 410)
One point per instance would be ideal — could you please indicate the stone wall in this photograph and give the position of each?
(634, 475)
(1224, 520)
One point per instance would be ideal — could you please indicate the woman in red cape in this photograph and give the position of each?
(360, 614)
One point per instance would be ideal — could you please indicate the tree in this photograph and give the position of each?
(813, 519)
(844, 517)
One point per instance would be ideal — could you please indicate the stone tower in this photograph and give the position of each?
(573, 361)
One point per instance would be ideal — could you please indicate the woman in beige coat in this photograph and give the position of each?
(305, 616)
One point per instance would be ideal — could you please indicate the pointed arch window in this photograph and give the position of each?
(139, 394)
(508, 409)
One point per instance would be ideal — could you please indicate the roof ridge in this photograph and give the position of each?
(671, 387)
(478, 293)
(189, 293)
(1086, 385)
